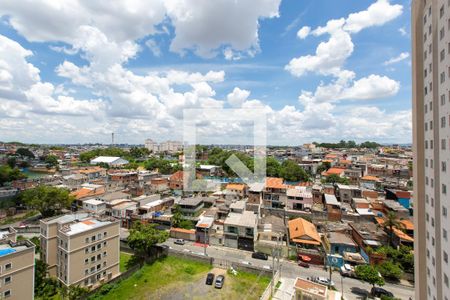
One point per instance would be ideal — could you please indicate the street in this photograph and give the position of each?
(290, 270)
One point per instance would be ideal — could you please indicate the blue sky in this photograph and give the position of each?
(74, 71)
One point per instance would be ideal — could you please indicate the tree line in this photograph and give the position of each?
(348, 144)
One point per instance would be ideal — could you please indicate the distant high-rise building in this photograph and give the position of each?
(151, 145)
(431, 145)
(168, 146)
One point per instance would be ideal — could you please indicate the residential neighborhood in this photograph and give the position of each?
(342, 216)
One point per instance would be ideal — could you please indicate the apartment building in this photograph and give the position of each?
(81, 249)
(16, 270)
(431, 146)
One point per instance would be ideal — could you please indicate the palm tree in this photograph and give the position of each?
(390, 222)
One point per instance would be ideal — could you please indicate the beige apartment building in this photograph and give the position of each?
(16, 270)
(431, 144)
(81, 249)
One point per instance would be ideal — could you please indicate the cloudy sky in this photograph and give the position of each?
(73, 71)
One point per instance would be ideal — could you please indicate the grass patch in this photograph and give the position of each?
(168, 271)
(242, 283)
(124, 259)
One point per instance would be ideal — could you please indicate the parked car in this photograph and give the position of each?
(260, 255)
(304, 258)
(209, 279)
(179, 242)
(378, 292)
(219, 281)
(303, 264)
(321, 280)
(347, 271)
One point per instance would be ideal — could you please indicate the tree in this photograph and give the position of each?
(143, 237)
(35, 240)
(25, 152)
(177, 216)
(390, 270)
(291, 171)
(11, 162)
(8, 174)
(137, 152)
(391, 222)
(51, 161)
(323, 167)
(272, 167)
(73, 292)
(48, 200)
(369, 274)
(334, 178)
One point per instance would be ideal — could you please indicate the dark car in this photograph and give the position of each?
(303, 264)
(260, 255)
(209, 279)
(219, 281)
(378, 292)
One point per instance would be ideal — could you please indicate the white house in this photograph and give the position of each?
(112, 161)
(95, 206)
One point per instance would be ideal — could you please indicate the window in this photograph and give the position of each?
(444, 166)
(444, 211)
(104, 253)
(442, 77)
(445, 257)
(426, 126)
(105, 234)
(86, 240)
(99, 256)
(444, 189)
(443, 122)
(443, 144)
(86, 272)
(7, 294)
(442, 99)
(93, 238)
(99, 236)
(8, 266)
(441, 11)
(446, 280)
(8, 280)
(86, 250)
(92, 259)
(442, 55)
(431, 123)
(86, 261)
(444, 234)
(92, 248)
(442, 33)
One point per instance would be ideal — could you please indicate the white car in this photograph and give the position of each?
(322, 280)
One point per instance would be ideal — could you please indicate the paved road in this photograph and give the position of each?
(290, 270)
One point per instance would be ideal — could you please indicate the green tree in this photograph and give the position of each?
(390, 270)
(390, 222)
(137, 152)
(47, 200)
(323, 167)
(51, 161)
(8, 174)
(291, 171)
(272, 167)
(369, 274)
(11, 162)
(177, 216)
(143, 237)
(334, 178)
(35, 240)
(73, 292)
(25, 152)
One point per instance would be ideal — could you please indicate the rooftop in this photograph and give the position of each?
(311, 287)
(9, 247)
(82, 225)
(244, 219)
(340, 238)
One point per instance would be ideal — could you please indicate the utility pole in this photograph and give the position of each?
(206, 237)
(273, 272)
(342, 287)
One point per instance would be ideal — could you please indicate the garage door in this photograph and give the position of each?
(245, 244)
